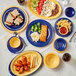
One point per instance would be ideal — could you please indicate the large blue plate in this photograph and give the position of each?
(50, 33)
(14, 27)
(57, 31)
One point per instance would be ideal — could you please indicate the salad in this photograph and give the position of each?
(45, 7)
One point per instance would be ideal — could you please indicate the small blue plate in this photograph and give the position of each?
(9, 69)
(60, 44)
(14, 27)
(57, 30)
(16, 50)
(70, 12)
(50, 33)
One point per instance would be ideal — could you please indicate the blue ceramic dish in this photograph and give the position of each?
(16, 50)
(50, 33)
(14, 27)
(70, 12)
(57, 30)
(60, 44)
(9, 69)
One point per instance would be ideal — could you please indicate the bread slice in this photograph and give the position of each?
(9, 20)
(43, 33)
(15, 13)
(18, 20)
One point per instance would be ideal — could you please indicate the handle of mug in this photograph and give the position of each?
(16, 34)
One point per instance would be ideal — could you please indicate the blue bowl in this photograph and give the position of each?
(14, 27)
(60, 44)
(70, 12)
(57, 30)
(50, 33)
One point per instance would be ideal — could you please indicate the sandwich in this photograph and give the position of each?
(9, 21)
(15, 13)
(18, 20)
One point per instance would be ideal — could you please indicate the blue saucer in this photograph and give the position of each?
(14, 27)
(16, 50)
(70, 12)
(60, 44)
(50, 33)
(57, 30)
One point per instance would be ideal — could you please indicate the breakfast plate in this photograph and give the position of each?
(14, 19)
(46, 34)
(63, 27)
(16, 50)
(38, 8)
(12, 69)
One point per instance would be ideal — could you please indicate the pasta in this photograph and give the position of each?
(65, 23)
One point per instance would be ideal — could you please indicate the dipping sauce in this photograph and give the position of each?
(66, 57)
(63, 30)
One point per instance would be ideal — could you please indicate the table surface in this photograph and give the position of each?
(64, 69)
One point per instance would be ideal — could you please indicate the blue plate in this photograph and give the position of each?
(14, 27)
(9, 69)
(16, 50)
(60, 44)
(70, 12)
(50, 33)
(57, 30)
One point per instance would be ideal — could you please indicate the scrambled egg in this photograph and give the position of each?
(35, 36)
